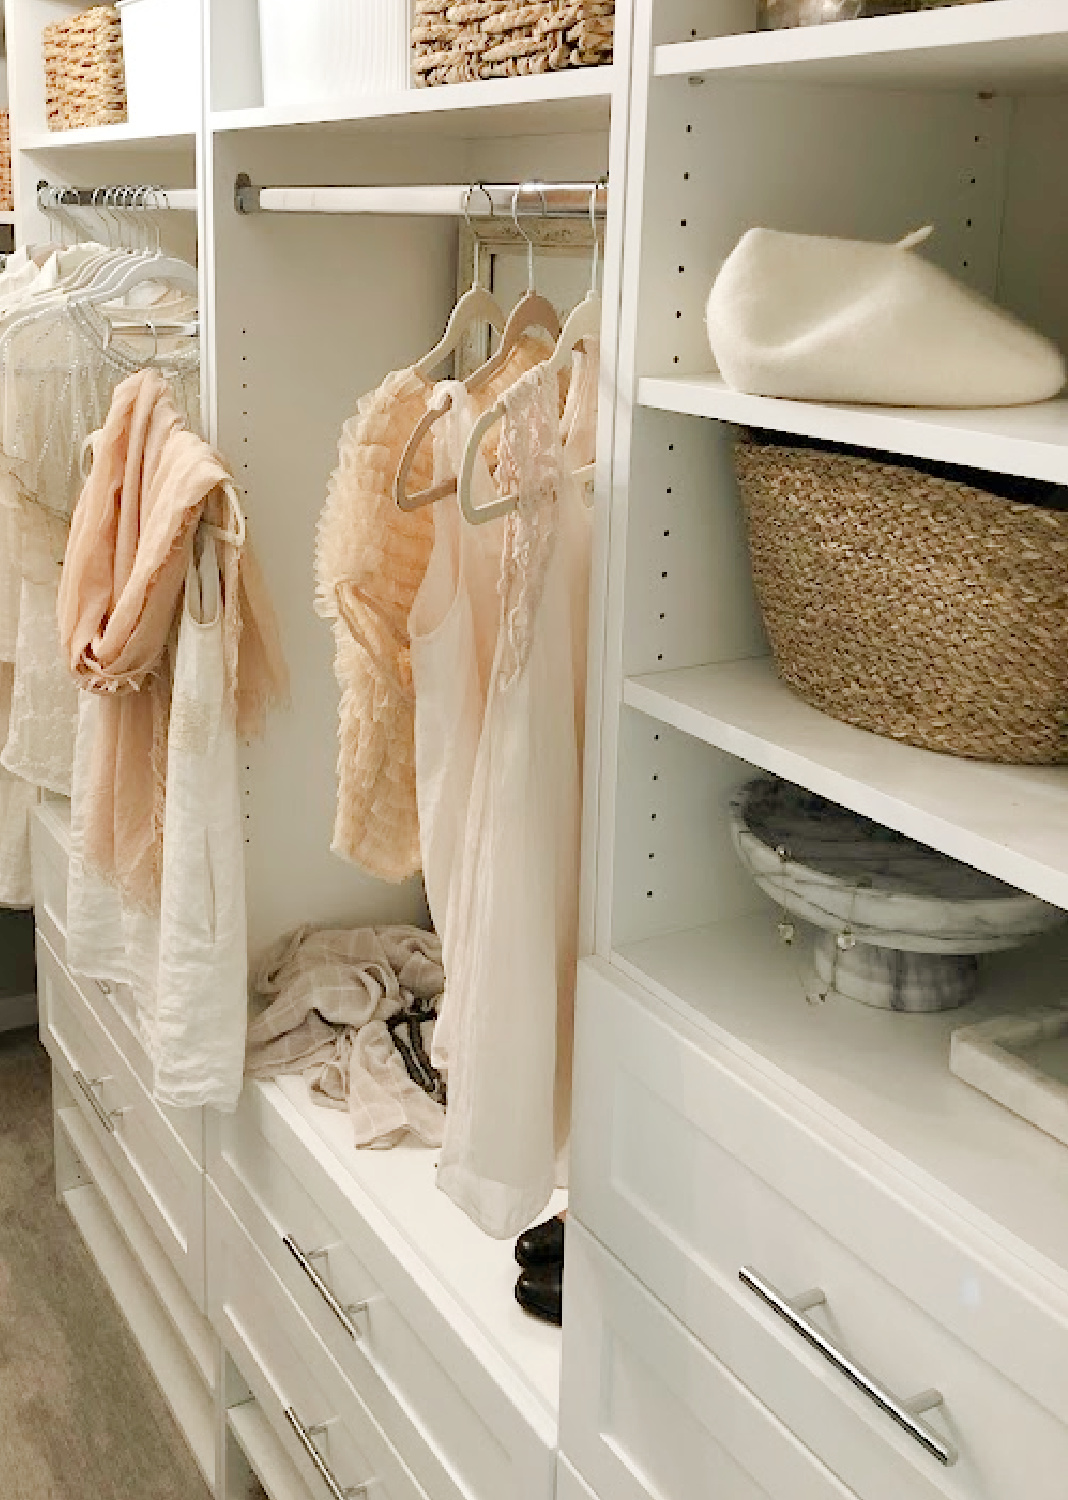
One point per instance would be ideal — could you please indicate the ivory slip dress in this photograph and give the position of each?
(513, 921)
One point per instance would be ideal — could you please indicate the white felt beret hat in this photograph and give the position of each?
(845, 320)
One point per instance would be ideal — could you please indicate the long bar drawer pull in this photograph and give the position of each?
(89, 1089)
(306, 1438)
(906, 1412)
(344, 1315)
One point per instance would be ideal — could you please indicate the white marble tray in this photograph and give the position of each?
(1022, 1062)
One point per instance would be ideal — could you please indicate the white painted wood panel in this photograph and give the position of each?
(648, 1414)
(159, 1173)
(287, 1368)
(696, 1152)
(1006, 820)
(1028, 440)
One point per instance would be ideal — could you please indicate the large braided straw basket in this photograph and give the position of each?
(920, 602)
(460, 42)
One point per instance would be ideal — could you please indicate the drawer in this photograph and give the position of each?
(50, 842)
(647, 1413)
(690, 1172)
(433, 1392)
(164, 1181)
(291, 1375)
(114, 1008)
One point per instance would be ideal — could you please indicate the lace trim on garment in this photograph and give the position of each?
(530, 467)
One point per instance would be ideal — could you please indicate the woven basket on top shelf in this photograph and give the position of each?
(909, 601)
(85, 81)
(458, 43)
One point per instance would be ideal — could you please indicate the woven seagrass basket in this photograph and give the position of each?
(85, 80)
(460, 42)
(913, 600)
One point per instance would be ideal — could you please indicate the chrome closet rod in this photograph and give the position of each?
(555, 200)
(152, 199)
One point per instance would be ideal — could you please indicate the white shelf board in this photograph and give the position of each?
(128, 137)
(188, 1397)
(267, 1457)
(7, 216)
(1007, 820)
(1026, 440)
(539, 104)
(881, 1076)
(1002, 45)
(460, 1267)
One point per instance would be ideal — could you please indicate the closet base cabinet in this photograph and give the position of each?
(325, 1307)
(680, 1378)
(130, 1173)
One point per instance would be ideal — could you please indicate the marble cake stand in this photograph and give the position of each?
(898, 925)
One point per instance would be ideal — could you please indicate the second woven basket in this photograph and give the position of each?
(913, 603)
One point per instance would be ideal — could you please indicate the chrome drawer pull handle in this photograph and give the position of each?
(905, 1412)
(344, 1315)
(305, 1437)
(89, 1089)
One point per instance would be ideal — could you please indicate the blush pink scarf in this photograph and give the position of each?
(120, 597)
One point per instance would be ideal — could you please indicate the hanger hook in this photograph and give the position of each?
(594, 191)
(532, 187)
(477, 187)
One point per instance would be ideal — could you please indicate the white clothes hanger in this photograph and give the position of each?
(477, 305)
(582, 326)
(531, 311)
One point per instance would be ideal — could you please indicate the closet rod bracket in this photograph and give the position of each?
(246, 194)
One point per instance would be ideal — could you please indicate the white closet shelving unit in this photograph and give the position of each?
(293, 1294)
(722, 1121)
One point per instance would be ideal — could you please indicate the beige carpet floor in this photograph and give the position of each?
(80, 1415)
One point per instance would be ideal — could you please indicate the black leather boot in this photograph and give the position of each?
(540, 1292)
(542, 1245)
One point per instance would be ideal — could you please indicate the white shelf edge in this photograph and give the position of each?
(7, 216)
(1030, 441)
(179, 1381)
(827, 756)
(127, 136)
(575, 86)
(936, 46)
(267, 1457)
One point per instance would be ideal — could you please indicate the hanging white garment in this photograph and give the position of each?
(453, 631)
(510, 1053)
(106, 939)
(10, 566)
(17, 801)
(201, 1001)
(44, 706)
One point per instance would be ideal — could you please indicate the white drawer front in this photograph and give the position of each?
(663, 1174)
(163, 1179)
(289, 1370)
(432, 1397)
(648, 1414)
